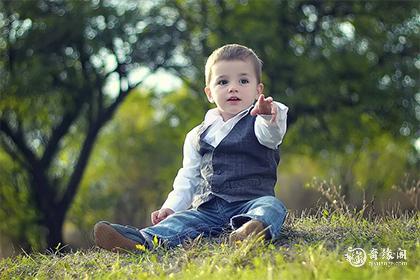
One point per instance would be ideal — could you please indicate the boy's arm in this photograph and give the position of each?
(188, 177)
(270, 125)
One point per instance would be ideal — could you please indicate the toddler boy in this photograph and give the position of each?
(229, 166)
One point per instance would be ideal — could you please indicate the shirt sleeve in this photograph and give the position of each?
(188, 177)
(271, 134)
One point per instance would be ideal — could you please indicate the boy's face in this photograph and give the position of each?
(233, 86)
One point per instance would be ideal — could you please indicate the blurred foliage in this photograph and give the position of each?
(59, 59)
(17, 213)
(376, 164)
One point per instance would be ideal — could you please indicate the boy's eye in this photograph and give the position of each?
(222, 82)
(244, 81)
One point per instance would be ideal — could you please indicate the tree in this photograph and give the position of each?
(60, 59)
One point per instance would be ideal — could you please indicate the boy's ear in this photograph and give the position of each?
(208, 93)
(260, 90)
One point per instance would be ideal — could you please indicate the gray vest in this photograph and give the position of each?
(239, 168)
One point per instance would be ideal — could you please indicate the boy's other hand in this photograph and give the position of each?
(160, 215)
(265, 106)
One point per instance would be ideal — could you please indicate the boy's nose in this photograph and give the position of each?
(233, 88)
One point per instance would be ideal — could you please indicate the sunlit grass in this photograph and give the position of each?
(312, 246)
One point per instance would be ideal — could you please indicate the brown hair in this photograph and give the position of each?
(233, 52)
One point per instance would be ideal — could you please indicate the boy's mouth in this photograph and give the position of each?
(233, 98)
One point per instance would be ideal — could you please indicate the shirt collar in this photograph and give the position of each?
(213, 115)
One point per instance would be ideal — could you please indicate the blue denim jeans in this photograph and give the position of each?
(210, 219)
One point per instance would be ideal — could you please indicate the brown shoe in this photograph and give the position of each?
(250, 228)
(110, 239)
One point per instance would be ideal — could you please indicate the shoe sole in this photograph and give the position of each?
(110, 239)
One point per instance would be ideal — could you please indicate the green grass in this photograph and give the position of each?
(312, 246)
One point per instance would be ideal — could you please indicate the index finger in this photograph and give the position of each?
(260, 98)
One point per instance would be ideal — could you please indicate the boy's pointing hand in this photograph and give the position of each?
(265, 106)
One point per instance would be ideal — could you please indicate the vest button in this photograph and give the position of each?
(218, 172)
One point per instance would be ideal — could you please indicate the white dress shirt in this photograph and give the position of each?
(269, 134)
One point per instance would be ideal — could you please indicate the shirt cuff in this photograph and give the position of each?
(175, 203)
(170, 206)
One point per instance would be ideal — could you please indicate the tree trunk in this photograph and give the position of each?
(54, 221)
